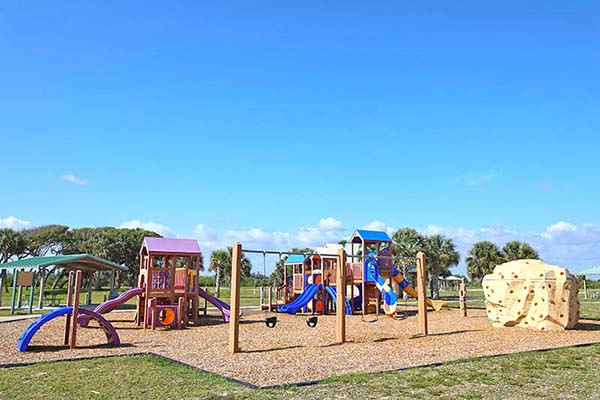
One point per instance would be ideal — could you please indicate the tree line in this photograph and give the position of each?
(119, 245)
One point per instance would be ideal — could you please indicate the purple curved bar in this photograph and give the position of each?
(112, 337)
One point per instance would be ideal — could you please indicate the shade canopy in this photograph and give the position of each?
(84, 262)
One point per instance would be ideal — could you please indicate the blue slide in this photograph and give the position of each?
(389, 297)
(307, 295)
(332, 290)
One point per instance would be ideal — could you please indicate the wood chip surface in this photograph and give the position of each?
(292, 352)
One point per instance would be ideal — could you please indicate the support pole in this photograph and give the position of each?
(14, 292)
(422, 292)
(43, 273)
(2, 283)
(32, 289)
(462, 295)
(76, 295)
(234, 316)
(270, 298)
(93, 275)
(585, 296)
(205, 302)
(340, 306)
(20, 295)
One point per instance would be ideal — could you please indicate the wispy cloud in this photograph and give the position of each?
(478, 178)
(74, 179)
(14, 223)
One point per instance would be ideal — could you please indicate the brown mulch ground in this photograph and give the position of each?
(293, 352)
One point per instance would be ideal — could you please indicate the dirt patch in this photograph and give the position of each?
(292, 352)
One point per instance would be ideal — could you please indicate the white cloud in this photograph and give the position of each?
(330, 224)
(377, 225)
(74, 179)
(14, 223)
(150, 226)
(561, 226)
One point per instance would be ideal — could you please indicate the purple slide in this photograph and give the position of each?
(220, 304)
(110, 305)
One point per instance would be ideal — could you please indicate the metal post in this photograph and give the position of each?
(270, 297)
(14, 292)
(32, 288)
(88, 300)
(43, 274)
(462, 295)
(2, 279)
(20, 294)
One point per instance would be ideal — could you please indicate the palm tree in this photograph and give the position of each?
(406, 243)
(516, 250)
(441, 255)
(246, 266)
(219, 260)
(482, 259)
(220, 263)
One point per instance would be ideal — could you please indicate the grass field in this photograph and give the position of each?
(567, 373)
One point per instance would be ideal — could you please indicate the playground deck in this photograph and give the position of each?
(292, 352)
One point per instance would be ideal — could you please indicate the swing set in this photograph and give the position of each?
(312, 321)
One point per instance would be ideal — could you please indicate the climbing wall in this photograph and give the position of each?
(532, 294)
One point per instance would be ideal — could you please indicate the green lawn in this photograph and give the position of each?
(568, 373)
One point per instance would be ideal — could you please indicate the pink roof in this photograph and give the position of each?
(170, 245)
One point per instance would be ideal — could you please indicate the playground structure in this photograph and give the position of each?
(169, 282)
(312, 285)
(72, 309)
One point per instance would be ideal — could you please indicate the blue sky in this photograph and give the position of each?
(292, 123)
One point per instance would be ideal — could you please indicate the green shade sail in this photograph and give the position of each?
(84, 262)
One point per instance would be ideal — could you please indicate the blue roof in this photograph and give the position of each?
(370, 236)
(295, 259)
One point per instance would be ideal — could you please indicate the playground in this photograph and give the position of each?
(307, 332)
(292, 352)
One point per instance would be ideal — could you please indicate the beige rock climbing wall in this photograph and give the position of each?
(532, 294)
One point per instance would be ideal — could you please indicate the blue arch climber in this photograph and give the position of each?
(111, 334)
